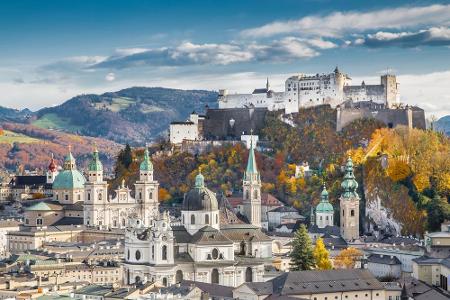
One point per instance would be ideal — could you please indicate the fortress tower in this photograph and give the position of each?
(390, 89)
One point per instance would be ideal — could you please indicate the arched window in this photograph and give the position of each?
(248, 275)
(89, 196)
(215, 276)
(215, 253)
(66, 197)
(100, 196)
(137, 280)
(164, 252)
(151, 195)
(192, 219)
(179, 276)
(140, 195)
(57, 197)
(123, 222)
(79, 197)
(352, 213)
(206, 219)
(247, 195)
(128, 254)
(242, 248)
(115, 223)
(138, 255)
(164, 281)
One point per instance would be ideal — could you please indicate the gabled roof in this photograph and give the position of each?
(44, 206)
(210, 236)
(214, 290)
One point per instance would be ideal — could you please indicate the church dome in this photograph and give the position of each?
(324, 206)
(68, 180)
(200, 197)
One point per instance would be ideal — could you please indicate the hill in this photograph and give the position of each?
(134, 115)
(15, 115)
(443, 125)
(31, 147)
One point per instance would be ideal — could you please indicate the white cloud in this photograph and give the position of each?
(337, 24)
(110, 76)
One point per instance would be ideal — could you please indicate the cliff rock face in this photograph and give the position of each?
(379, 219)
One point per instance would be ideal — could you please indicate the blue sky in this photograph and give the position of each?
(54, 50)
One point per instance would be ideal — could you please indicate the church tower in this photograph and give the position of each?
(95, 194)
(349, 204)
(252, 190)
(324, 210)
(52, 171)
(146, 189)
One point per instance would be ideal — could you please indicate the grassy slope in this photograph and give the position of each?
(53, 121)
(11, 137)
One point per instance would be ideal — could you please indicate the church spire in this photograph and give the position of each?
(251, 169)
(349, 184)
(199, 180)
(146, 164)
(267, 84)
(69, 160)
(95, 164)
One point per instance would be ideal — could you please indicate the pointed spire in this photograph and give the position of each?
(146, 164)
(267, 84)
(251, 162)
(52, 166)
(324, 194)
(69, 160)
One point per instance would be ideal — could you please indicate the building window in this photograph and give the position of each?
(215, 253)
(79, 197)
(89, 196)
(179, 276)
(248, 275)
(138, 255)
(192, 219)
(140, 195)
(206, 219)
(164, 252)
(66, 197)
(352, 213)
(153, 252)
(39, 221)
(215, 276)
(128, 254)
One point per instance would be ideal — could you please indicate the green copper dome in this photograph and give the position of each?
(95, 164)
(70, 178)
(349, 184)
(324, 206)
(146, 164)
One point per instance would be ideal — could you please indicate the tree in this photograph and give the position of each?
(347, 258)
(302, 257)
(438, 212)
(321, 256)
(127, 157)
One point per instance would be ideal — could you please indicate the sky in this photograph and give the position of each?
(53, 50)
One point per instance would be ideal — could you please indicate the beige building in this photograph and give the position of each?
(316, 285)
(433, 271)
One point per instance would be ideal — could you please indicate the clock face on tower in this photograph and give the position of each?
(164, 238)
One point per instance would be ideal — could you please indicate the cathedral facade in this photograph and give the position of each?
(201, 246)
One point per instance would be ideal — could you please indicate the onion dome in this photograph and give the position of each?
(324, 206)
(146, 164)
(52, 167)
(200, 198)
(95, 164)
(349, 184)
(70, 178)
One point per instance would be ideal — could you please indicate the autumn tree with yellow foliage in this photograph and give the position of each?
(321, 256)
(347, 258)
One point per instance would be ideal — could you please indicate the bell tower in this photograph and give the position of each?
(96, 190)
(252, 190)
(146, 189)
(349, 205)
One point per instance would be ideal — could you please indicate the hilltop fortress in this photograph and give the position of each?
(305, 91)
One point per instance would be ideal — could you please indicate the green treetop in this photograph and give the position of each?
(302, 257)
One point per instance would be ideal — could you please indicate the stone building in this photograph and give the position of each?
(203, 246)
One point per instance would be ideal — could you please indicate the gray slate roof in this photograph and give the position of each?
(384, 259)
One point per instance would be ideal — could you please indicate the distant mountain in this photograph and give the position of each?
(134, 115)
(15, 115)
(443, 124)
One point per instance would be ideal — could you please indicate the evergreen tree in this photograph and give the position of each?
(127, 158)
(438, 212)
(302, 257)
(321, 256)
